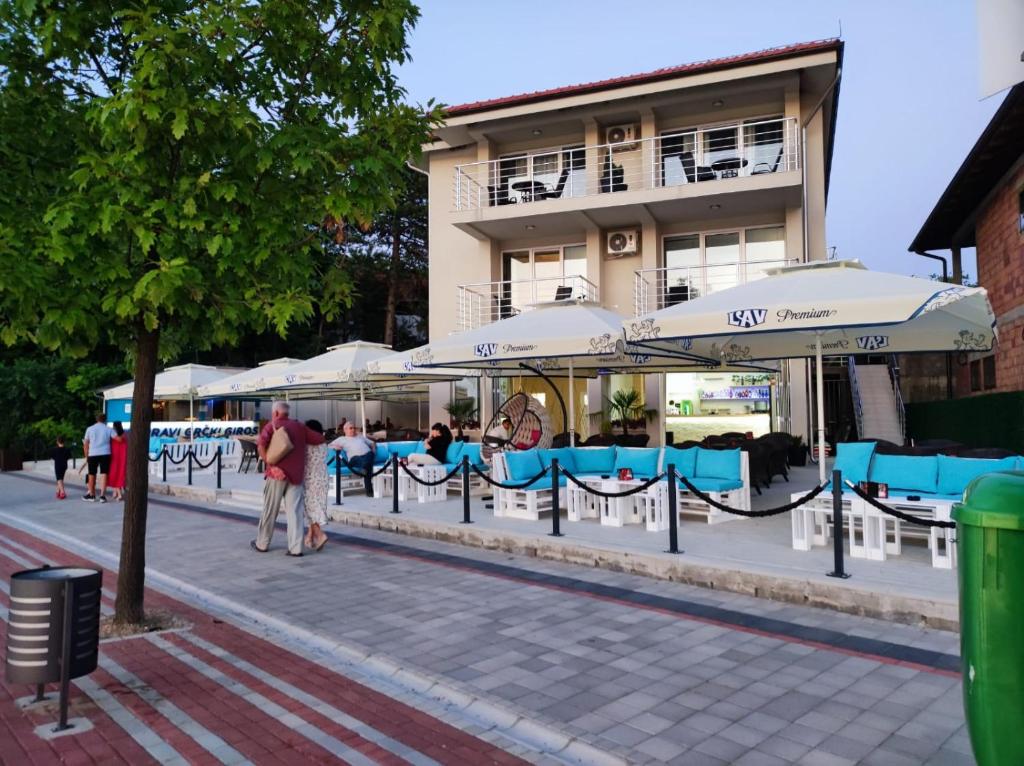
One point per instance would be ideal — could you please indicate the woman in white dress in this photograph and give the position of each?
(315, 488)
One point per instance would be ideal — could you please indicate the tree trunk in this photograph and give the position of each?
(390, 320)
(131, 575)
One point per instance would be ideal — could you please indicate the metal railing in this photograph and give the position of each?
(704, 154)
(655, 289)
(894, 378)
(858, 404)
(481, 303)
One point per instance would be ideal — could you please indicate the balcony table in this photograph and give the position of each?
(728, 167)
(531, 190)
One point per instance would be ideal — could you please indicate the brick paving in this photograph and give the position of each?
(636, 681)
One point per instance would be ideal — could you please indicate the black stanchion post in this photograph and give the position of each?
(556, 511)
(163, 458)
(673, 513)
(218, 466)
(337, 477)
(394, 484)
(837, 526)
(188, 462)
(465, 490)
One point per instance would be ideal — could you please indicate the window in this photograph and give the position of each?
(467, 388)
(533, 276)
(698, 264)
(751, 147)
(561, 172)
(976, 375)
(763, 145)
(988, 372)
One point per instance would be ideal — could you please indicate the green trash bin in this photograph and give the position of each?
(990, 532)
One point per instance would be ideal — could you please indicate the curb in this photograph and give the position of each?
(540, 737)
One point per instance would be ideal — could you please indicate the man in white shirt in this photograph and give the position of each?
(359, 454)
(96, 446)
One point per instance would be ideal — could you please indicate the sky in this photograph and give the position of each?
(909, 105)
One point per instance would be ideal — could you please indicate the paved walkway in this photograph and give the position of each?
(539, 658)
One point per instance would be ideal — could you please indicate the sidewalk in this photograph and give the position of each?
(553, 656)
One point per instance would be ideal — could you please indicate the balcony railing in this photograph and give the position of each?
(485, 302)
(704, 154)
(655, 289)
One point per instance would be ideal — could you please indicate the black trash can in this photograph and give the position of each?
(54, 626)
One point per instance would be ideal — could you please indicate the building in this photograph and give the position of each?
(636, 192)
(983, 207)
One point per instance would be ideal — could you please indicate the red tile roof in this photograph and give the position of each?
(769, 54)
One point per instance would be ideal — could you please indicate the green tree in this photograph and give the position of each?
(180, 164)
(627, 406)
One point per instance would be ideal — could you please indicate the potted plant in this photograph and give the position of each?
(461, 412)
(625, 406)
(797, 452)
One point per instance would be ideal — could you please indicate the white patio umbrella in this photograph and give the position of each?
(559, 336)
(247, 383)
(821, 309)
(176, 383)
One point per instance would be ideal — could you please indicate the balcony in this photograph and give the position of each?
(655, 289)
(716, 153)
(482, 303)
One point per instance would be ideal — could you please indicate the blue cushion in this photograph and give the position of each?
(907, 472)
(472, 451)
(718, 463)
(403, 449)
(685, 460)
(708, 484)
(594, 461)
(642, 461)
(382, 455)
(523, 465)
(955, 473)
(564, 456)
(454, 453)
(544, 482)
(854, 460)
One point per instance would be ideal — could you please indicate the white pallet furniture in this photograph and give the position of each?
(409, 488)
(204, 452)
(690, 504)
(611, 511)
(519, 503)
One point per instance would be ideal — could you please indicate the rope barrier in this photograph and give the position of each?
(499, 485)
(200, 465)
(183, 458)
(455, 471)
(909, 518)
(156, 458)
(750, 514)
(371, 474)
(631, 491)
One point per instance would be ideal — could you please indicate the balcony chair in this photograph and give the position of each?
(498, 195)
(613, 177)
(676, 294)
(563, 292)
(695, 172)
(559, 187)
(763, 167)
(503, 308)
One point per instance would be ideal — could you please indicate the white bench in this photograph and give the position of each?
(520, 503)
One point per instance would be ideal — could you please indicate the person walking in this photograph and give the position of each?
(118, 460)
(286, 466)
(61, 455)
(359, 454)
(96, 446)
(315, 487)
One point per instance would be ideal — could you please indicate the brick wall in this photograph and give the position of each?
(1001, 272)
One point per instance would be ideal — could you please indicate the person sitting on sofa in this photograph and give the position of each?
(437, 446)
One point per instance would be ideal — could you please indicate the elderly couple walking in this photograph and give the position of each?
(296, 478)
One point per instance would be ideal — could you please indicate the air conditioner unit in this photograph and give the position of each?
(624, 242)
(624, 136)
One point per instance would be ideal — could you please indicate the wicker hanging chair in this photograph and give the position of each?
(531, 425)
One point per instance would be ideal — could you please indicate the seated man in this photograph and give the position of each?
(359, 453)
(500, 434)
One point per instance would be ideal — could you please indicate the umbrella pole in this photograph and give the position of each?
(362, 409)
(820, 396)
(191, 421)
(572, 405)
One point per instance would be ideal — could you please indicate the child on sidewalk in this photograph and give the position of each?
(60, 455)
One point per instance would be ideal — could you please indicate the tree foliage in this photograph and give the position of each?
(179, 167)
